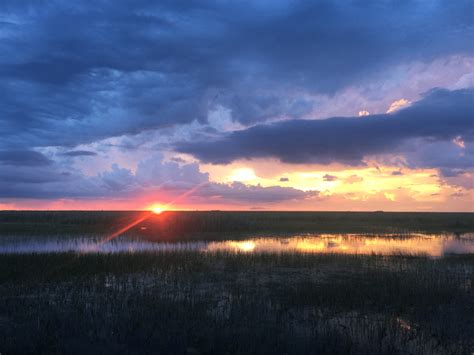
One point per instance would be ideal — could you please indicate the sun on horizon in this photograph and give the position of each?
(157, 209)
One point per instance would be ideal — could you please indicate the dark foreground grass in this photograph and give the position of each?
(236, 303)
(218, 224)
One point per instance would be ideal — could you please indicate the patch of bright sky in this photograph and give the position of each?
(423, 183)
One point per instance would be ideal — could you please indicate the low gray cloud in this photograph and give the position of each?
(328, 177)
(439, 117)
(153, 177)
(80, 153)
(240, 192)
(447, 172)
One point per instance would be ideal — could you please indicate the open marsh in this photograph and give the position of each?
(263, 288)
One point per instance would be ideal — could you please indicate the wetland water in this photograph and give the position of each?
(434, 245)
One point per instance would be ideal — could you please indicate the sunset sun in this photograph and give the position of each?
(156, 209)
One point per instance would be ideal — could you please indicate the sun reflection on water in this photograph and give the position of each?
(432, 245)
(247, 246)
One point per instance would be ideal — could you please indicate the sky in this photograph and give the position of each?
(237, 105)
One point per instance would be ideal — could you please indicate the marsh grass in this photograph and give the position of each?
(185, 302)
(222, 302)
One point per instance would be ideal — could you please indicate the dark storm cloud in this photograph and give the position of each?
(72, 72)
(23, 158)
(30, 175)
(440, 116)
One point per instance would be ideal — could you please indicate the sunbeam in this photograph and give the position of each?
(154, 210)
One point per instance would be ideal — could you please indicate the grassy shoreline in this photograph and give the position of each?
(213, 224)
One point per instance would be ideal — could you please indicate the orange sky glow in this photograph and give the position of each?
(337, 187)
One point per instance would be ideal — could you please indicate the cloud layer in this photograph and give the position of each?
(441, 115)
(72, 73)
(154, 178)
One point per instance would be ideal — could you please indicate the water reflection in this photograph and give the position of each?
(432, 245)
